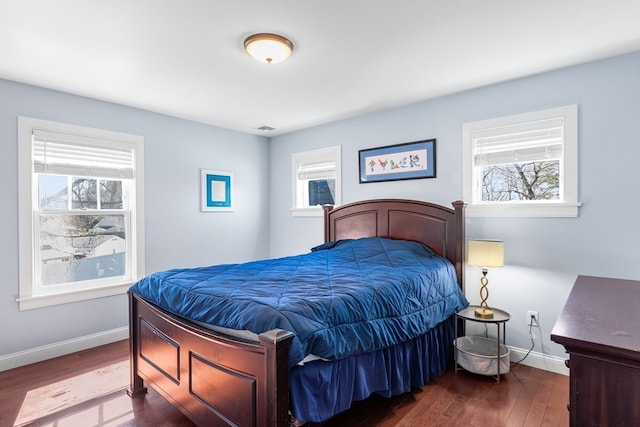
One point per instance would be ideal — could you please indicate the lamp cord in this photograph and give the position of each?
(528, 352)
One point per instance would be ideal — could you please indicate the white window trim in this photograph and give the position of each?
(333, 152)
(27, 300)
(566, 208)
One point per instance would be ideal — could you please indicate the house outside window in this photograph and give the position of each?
(316, 178)
(80, 212)
(522, 165)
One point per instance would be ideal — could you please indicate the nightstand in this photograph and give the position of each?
(478, 354)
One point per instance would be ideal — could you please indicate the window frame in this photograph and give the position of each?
(472, 189)
(30, 293)
(327, 154)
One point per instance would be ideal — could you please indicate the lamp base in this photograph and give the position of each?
(484, 313)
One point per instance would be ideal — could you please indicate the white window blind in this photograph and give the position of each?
(523, 142)
(67, 154)
(317, 170)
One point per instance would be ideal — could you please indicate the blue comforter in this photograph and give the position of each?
(341, 299)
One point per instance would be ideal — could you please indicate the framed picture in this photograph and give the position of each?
(216, 190)
(411, 160)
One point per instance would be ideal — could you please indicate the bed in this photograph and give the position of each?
(218, 377)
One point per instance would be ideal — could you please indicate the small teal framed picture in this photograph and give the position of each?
(216, 190)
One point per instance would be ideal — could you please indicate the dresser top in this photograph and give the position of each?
(601, 313)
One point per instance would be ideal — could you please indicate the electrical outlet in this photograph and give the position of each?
(532, 317)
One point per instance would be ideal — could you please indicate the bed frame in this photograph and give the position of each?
(215, 379)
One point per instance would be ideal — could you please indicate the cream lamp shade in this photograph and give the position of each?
(486, 254)
(268, 48)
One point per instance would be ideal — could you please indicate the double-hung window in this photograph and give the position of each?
(316, 180)
(522, 165)
(80, 212)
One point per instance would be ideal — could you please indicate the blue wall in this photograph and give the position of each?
(176, 232)
(543, 255)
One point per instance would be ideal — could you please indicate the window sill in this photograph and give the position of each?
(31, 302)
(537, 210)
(308, 212)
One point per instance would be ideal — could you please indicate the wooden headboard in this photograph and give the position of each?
(438, 227)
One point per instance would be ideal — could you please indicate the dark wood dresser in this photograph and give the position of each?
(600, 329)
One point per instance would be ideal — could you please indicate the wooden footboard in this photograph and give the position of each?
(213, 379)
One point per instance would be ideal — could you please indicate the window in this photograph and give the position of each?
(316, 180)
(522, 165)
(81, 193)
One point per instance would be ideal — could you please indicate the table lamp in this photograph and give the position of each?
(485, 254)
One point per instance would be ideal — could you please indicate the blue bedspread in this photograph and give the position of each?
(341, 299)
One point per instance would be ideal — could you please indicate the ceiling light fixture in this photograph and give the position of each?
(267, 47)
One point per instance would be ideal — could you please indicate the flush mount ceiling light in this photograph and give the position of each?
(267, 47)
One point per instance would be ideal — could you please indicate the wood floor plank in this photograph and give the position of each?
(556, 410)
(538, 406)
(528, 387)
(87, 389)
(430, 401)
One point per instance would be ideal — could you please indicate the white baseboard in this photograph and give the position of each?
(539, 360)
(38, 354)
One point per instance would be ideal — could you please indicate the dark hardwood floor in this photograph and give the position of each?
(86, 389)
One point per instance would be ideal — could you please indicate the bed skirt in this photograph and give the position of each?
(320, 390)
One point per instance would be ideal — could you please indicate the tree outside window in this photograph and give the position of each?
(521, 181)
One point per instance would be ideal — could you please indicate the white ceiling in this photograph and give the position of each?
(185, 58)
